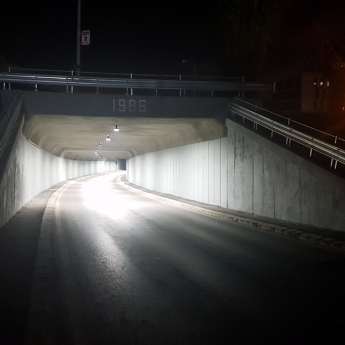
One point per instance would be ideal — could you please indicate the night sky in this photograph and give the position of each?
(148, 36)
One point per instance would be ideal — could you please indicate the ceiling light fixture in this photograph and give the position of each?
(116, 129)
(107, 138)
(100, 143)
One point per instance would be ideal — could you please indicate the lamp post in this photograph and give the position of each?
(78, 37)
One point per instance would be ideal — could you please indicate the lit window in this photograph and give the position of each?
(315, 81)
(327, 82)
(321, 82)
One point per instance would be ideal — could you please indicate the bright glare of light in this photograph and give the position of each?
(100, 196)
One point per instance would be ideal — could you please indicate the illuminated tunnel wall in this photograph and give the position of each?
(31, 170)
(248, 173)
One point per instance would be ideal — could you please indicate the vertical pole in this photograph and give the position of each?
(9, 84)
(72, 80)
(78, 37)
(131, 88)
(194, 75)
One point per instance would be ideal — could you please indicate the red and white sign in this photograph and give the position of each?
(85, 37)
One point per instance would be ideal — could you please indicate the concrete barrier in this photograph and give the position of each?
(246, 172)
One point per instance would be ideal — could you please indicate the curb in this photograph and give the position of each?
(319, 240)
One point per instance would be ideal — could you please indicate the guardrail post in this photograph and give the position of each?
(36, 87)
(156, 92)
(66, 88)
(97, 90)
(131, 88)
(289, 120)
(72, 78)
(331, 163)
(180, 89)
(311, 152)
(4, 85)
(9, 84)
(335, 140)
(335, 166)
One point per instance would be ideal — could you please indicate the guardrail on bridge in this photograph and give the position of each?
(254, 113)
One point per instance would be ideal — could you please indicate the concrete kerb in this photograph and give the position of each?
(294, 233)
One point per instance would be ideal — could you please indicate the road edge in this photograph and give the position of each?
(41, 324)
(319, 240)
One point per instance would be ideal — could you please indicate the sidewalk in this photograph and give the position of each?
(322, 237)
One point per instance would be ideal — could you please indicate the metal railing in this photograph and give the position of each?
(253, 113)
(127, 81)
(9, 120)
(121, 75)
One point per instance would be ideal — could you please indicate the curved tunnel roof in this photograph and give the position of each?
(78, 137)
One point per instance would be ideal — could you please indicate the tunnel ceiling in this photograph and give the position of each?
(76, 137)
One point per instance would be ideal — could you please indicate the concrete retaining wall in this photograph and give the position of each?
(30, 170)
(248, 173)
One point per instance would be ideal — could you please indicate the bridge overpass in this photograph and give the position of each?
(182, 145)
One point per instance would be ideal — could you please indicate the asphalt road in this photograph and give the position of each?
(134, 270)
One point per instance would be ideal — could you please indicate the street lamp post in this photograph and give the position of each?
(78, 37)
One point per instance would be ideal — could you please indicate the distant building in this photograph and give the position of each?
(307, 93)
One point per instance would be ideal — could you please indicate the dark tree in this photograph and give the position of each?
(247, 27)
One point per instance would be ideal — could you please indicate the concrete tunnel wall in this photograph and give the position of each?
(30, 170)
(248, 173)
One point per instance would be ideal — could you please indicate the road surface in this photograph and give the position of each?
(134, 270)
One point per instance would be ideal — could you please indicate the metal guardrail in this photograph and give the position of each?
(335, 153)
(130, 83)
(9, 120)
(121, 75)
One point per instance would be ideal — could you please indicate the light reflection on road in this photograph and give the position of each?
(100, 197)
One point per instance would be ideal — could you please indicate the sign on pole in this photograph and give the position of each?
(85, 37)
